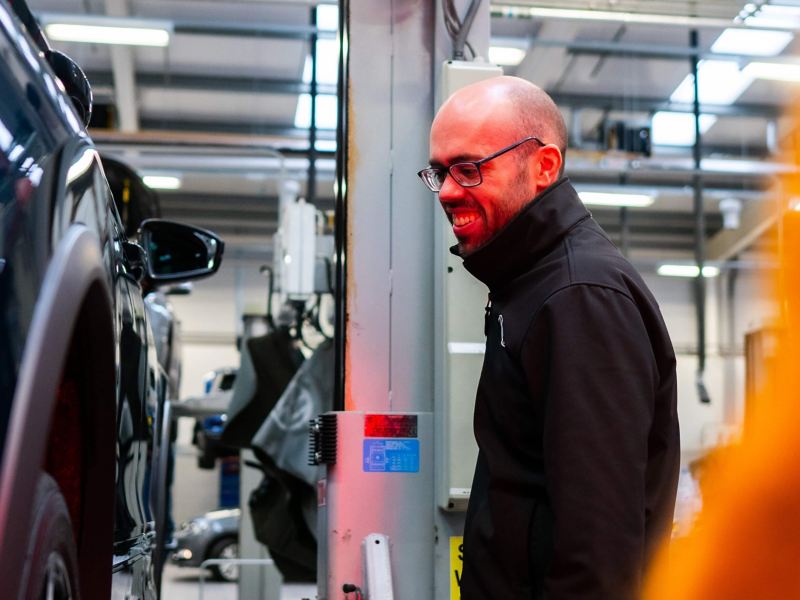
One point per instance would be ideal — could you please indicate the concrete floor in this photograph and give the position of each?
(183, 583)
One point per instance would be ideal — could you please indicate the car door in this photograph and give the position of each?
(86, 199)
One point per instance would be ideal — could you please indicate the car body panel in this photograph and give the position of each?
(62, 245)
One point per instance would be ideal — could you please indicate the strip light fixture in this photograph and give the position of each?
(615, 16)
(162, 182)
(777, 71)
(675, 270)
(616, 199)
(97, 29)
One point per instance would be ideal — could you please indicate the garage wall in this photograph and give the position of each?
(210, 323)
(211, 319)
(702, 425)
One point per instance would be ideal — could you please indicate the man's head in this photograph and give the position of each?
(476, 122)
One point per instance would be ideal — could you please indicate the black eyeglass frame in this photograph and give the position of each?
(476, 163)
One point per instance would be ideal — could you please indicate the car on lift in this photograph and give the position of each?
(212, 535)
(81, 389)
(208, 430)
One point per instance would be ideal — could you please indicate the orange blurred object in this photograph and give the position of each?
(746, 543)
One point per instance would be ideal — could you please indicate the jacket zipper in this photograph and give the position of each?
(488, 313)
(502, 333)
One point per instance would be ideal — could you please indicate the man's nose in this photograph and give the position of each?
(450, 190)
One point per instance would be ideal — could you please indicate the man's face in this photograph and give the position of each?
(477, 213)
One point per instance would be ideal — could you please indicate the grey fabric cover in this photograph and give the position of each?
(284, 434)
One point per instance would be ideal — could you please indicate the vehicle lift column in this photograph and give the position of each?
(390, 508)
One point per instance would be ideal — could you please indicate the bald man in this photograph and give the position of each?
(575, 414)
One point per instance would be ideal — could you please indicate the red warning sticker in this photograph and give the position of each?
(390, 426)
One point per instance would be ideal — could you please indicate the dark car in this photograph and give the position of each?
(213, 535)
(81, 390)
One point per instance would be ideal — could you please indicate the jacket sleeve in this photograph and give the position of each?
(599, 382)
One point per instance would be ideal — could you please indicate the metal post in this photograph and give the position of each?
(700, 228)
(340, 215)
(311, 187)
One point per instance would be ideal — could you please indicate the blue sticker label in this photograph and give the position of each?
(391, 456)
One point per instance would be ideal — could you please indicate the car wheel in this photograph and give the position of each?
(52, 558)
(225, 548)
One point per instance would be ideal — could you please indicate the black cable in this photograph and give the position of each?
(457, 29)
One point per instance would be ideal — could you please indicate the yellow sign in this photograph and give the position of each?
(456, 566)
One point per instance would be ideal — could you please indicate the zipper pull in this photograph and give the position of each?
(487, 315)
(502, 333)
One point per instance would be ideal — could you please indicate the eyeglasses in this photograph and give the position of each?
(466, 174)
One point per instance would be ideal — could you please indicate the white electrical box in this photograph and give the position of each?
(457, 74)
(296, 247)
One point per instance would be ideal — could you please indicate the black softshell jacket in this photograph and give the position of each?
(575, 414)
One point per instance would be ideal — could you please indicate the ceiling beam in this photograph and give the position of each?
(220, 83)
(651, 104)
(123, 73)
(255, 30)
(172, 123)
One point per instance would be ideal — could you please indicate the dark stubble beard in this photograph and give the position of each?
(519, 195)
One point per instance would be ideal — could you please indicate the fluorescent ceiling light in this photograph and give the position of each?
(162, 182)
(616, 199)
(752, 42)
(327, 17)
(775, 71)
(721, 82)
(93, 29)
(326, 111)
(325, 145)
(506, 56)
(771, 15)
(327, 63)
(606, 15)
(687, 271)
(677, 129)
(614, 16)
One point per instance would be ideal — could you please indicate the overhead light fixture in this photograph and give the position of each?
(506, 56)
(615, 16)
(162, 182)
(94, 29)
(327, 63)
(616, 199)
(327, 17)
(676, 128)
(768, 15)
(326, 116)
(774, 70)
(751, 42)
(721, 82)
(673, 270)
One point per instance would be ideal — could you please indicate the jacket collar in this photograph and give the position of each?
(542, 223)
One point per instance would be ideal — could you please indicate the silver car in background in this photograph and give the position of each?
(212, 535)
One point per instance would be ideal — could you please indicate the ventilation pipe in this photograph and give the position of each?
(700, 231)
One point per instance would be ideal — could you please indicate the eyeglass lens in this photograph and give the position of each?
(466, 174)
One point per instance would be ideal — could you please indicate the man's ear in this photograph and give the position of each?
(550, 161)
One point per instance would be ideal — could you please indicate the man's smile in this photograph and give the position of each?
(464, 218)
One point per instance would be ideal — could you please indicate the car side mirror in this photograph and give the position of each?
(76, 85)
(176, 252)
